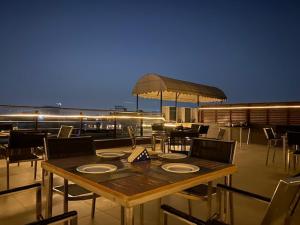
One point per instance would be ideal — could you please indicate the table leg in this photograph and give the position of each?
(48, 209)
(128, 215)
(284, 151)
(248, 137)
(241, 132)
(153, 142)
(209, 199)
(66, 195)
(122, 215)
(159, 212)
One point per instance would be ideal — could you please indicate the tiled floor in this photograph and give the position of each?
(252, 175)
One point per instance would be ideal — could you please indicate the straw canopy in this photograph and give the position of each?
(153, 85)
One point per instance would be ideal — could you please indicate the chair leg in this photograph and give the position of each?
(142, 214)
(7, 175)
(268, 150)
(165, 215)
(122, 215)
(31, 164)
(93, 206)
(35, 169)
(274, 155)
(43, 177)
(190, 206)
(66, 191)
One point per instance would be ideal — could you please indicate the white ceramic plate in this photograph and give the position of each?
(96, 168)
(110, 154)
(173, 156)
(180, 168)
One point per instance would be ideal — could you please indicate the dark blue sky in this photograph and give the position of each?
(91, 53)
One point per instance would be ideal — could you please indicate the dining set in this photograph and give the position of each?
(133, 177)
(290, 147)
(154, 176)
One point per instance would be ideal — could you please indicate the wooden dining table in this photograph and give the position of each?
(133, 184)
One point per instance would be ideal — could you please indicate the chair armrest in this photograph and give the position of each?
(72, 215)
(245, 193)
(170, 210)
(22, 188)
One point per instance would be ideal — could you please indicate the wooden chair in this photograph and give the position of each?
(280, 208)
(213, 150)
(272, 141)
(65, 131)
(22, 147)
(69, 216)
(71, 147)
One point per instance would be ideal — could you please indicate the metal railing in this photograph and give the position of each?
(99, 122)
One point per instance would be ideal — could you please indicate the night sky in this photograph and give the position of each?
(91, 53)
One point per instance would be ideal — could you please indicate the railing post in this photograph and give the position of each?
(81, 123)
(115, 127)
(36, 121)
(141, 128)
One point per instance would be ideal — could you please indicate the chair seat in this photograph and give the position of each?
(200, 191)
(297, 152)
(20, 158)
(74, 191)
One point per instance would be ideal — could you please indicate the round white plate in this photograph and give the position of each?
(96, 168)
(180, 168)
(110, 154)
(173, 156)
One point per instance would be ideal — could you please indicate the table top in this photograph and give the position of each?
(136, 183)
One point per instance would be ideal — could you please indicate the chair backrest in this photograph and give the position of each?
(69, 147)
(214, 150)
(65, 131)
(203, 129)
(131, 132)
(293, 138)
(269, 133)
(195, 127)
(283, 203)
(157, 127)
(6, 127)
(19, 139)
(21, 144)
(221, 134)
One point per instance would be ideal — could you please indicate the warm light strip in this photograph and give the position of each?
(252, 107)
(170, 125)
(83, 116)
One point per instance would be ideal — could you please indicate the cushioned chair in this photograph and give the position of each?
(272, 141)
(280, 208)
(213, 150)
(4, 139)
(65, 131)
(71, 147)
(22, 147)
(69, 216)
(133, 138)
(221, 134)
(203, 130)
(293, 139)
(159, 134)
